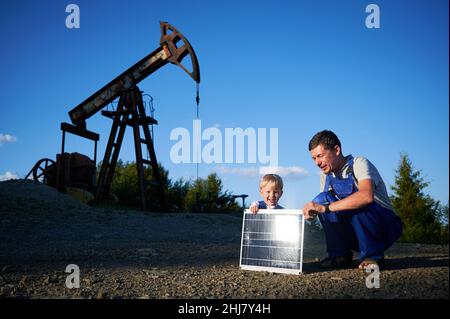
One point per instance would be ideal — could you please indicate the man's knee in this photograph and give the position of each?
(379, 220)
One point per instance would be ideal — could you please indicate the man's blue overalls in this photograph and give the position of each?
(370, 230)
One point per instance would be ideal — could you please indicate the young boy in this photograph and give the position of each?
(271, 189)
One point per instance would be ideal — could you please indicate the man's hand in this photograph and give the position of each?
(311, 210)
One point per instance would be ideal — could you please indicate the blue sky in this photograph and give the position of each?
(299, 66)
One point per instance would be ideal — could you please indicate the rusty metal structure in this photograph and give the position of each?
(243, 197)
(77, 170)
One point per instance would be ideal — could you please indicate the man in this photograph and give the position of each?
(353, 207)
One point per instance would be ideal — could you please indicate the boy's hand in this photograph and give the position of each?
(254, 208)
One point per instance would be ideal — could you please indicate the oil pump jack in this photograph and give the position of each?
(77, 170)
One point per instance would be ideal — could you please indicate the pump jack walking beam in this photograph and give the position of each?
(174, 48)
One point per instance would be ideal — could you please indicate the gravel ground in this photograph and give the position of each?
(129, 254)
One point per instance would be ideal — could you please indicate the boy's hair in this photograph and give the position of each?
(325, 138)
(271, 178)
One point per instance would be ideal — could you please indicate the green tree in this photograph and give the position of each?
(177, 192)
(125, 186)
(442, 214)
(417, 210)
(202, 195)
(207, 195)
(442, 217)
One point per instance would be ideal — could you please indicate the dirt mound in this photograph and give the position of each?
(24, 195)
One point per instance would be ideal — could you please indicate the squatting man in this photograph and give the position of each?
(353, 207)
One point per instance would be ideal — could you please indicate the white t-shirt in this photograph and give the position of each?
(364, 169)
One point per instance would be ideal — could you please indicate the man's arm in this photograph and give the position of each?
(361, 198)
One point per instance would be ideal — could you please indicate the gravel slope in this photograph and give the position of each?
(128, 254)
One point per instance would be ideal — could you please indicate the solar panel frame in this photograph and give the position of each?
(272, 264)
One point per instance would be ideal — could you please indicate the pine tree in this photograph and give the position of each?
(417, 210)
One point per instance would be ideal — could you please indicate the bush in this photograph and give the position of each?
(206, 195)
(202, 195)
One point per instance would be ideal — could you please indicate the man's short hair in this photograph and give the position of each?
(271, 178)
(325, 138)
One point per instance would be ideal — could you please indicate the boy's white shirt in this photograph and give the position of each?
(256, 203)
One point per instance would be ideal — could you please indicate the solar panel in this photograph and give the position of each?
(272, 240)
